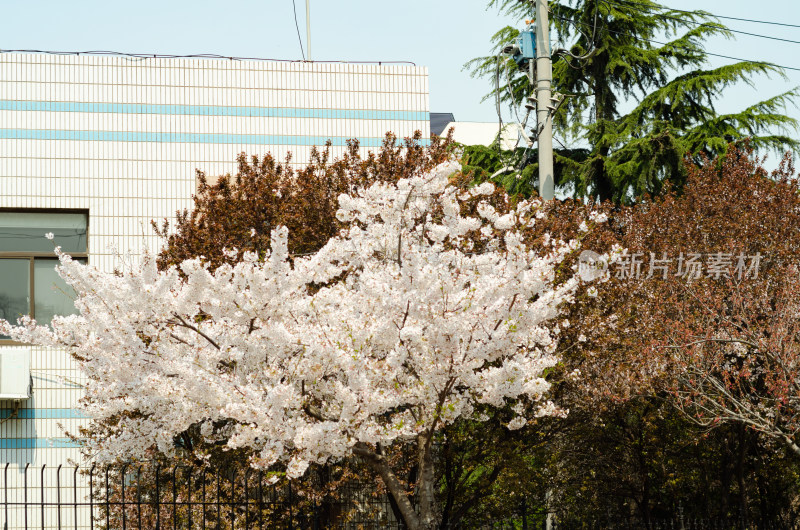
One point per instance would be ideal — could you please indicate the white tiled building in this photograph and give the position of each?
(94, 147)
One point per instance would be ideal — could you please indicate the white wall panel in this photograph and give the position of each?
(122, 139)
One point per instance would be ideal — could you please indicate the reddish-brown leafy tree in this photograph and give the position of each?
(700, 317)
(238, 212)
(731, 337)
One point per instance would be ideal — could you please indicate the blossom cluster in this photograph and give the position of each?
(391, 330)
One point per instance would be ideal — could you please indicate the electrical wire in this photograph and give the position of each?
(143, 56)
(296, 25)
(754, 21)
(592, 46)
(563, 52)
(766, 63)
(510, 90)
(647, 9)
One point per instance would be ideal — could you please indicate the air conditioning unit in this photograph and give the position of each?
(15, 373)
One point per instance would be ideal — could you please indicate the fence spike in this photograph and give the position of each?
(158, 496)
(174, 497)
(139, 494)
(91, 497)
(58, 495)
(75, 496)
(189, 493)
(122, 501)
(41, 493)
(5, 491)
(108, 502)
(25, 478)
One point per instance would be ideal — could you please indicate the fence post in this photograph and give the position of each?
(158, 497)
(259, 504)
(75, 496)
(122, 501)
(108, 501)
(233, 498)
(5, 494)
(189, 492)
(25, 497)
(218, 499)
(91, 497)
(203, 479)
(291, 515)
(139, 495)
(58, 495)
(680, 514)
(175, 497)
(246, 499)
(41, 493)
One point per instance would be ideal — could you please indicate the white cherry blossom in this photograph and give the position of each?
(391, 331)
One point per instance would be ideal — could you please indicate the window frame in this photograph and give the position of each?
(32, 256)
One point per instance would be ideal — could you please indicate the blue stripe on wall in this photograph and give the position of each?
(212, 110)
(43, 414)
(192, 138)
(37, 443)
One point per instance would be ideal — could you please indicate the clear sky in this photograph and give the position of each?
(439, 34)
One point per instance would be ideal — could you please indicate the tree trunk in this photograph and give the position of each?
(425, 486)
(427, 516)
(604, 190)
(396, 490)
(740, 463)
(603, 187)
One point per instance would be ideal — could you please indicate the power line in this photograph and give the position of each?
(647, 9)
(142, 56)
(296, 25)
(766, 63)
(754, 21)
(757, 21)
(762, 36)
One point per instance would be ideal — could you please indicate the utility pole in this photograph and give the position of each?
(308, 28)
(544, 77)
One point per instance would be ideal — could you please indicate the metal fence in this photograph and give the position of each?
(676, 523)
(156, 497)
(178, 497)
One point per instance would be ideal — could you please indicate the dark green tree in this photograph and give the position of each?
(618, 54)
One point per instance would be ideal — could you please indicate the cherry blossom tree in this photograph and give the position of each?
(429, 305)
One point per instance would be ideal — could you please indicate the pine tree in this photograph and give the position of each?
(622, 51)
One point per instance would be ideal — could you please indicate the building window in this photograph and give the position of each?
(29, 284)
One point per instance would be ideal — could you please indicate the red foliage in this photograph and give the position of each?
(715, 328)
